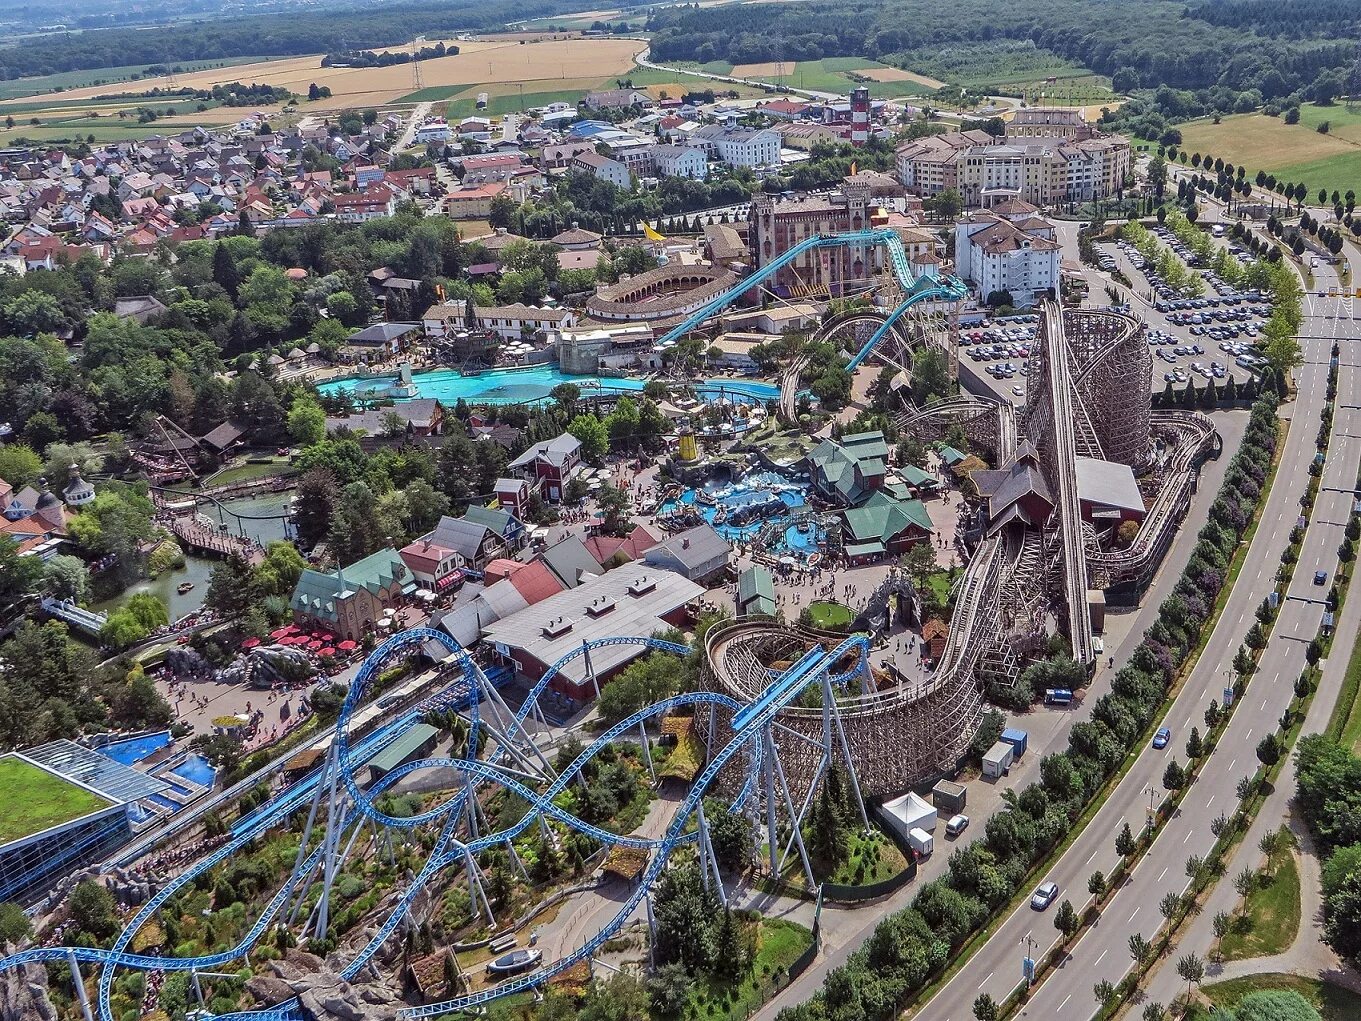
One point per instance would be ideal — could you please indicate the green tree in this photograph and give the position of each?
(1066, 920)
(231, 587)
(93, 910)
(20, 465)
(14, 924)
(984, 1009)
(593, 436)
(306, 422)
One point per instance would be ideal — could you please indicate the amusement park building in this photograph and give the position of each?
(849, 471)
(632, 600)
(40, 844)
(349, 601)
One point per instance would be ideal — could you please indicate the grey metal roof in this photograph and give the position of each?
(694, 547)
(113, 780)
(1109, 483)
(633, 613)
(460, 534)
(570, 561)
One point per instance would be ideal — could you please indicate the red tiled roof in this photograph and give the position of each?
(536, 582)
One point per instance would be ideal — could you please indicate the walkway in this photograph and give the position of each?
(210, 540)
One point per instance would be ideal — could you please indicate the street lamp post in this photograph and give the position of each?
(1152, 793)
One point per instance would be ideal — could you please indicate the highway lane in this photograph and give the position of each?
(996, 968)
(1103, 954)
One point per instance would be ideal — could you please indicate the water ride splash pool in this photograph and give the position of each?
(740, 510)
(529, 386)
(134, 749)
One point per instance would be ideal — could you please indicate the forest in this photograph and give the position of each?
(290, 34)
(1138, 43)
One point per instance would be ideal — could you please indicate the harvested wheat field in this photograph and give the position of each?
(765, 70)
(482, 62)
(897, 74)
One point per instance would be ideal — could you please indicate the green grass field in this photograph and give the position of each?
(34, 799)
(1272, 916)
(1333, 1002)
(497, 105)
(830, 615)
(1294, 151)
(979, 66)
(839, 75)
(79, 79)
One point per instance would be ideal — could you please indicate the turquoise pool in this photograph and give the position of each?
(135, 749)
(196, 769)
(739, 510)
(528, 386)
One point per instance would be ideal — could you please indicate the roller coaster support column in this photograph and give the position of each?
(647, 752)
(775, 777)
(80, 985)
(830, 714)
(708, 862)
(477, 893)
(328, 764)
(590, 667)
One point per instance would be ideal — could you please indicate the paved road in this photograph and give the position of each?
(416, 119)
(1307, 955)
(1103, 953)
(845, 929)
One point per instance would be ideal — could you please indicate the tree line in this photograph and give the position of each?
(296, 32)
(1147, 45)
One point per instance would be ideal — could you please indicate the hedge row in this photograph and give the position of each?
(912, 946)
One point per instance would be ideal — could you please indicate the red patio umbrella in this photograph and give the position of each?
(315, 644)
(250, 643)
(326, 652)
(281, 632)
(292, 640)
(347, 646)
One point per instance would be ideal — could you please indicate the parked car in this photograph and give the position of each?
(957, 825)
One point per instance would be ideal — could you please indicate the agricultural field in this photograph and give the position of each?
(838, 75)
(20, 87)
(541, 65)
(1295, 151)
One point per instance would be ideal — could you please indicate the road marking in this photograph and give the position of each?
(1093, 855)
(1065, 1000)
(1248, 734)
(1263, 704)
(1103, 954)
(985, 981)
(1161, 874)
(1131, 917)
(1210, 802)
(1232, 764)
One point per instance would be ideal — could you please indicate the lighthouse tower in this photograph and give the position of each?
(860, 115)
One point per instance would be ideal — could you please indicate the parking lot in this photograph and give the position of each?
(1211, 336)
(999, 352)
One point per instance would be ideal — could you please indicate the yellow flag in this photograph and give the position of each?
(852, 174)
(651, 234)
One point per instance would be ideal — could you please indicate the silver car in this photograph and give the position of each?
(1044, 895)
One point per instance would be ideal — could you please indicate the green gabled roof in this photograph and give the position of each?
(317, 592)
(883, 516)
(915, 476)
(753, 583)
(950, 455)
(866, 445)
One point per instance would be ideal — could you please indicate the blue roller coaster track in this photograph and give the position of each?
(349, 805)
(916, 289)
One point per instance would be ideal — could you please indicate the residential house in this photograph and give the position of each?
(550, 464)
